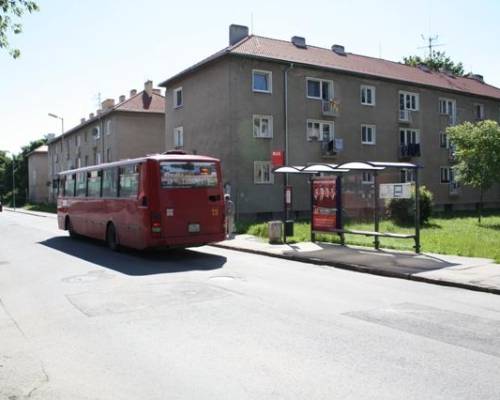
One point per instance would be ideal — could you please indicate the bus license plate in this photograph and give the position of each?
(192, 228)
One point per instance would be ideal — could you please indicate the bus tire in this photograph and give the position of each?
(70, 229)
(111, 240)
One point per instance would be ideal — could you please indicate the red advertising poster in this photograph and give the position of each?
(324, 216)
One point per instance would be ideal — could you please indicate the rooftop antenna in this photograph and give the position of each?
(431, 44)
(97, 98)
(251, 23)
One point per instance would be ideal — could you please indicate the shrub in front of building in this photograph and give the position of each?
(402, 211)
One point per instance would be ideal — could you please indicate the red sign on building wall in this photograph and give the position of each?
(325, 205)
(278, 158)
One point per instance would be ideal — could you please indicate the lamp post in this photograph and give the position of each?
(58, 117)
(13, 180)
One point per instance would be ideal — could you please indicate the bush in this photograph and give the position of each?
(402, 211)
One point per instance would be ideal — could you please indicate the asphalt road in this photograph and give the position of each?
(80, 322)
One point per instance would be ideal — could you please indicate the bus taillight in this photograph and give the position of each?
(156, 222)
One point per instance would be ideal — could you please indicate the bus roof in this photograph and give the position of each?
(155, 157)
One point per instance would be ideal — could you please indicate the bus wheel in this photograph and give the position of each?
(111, 237)
(70, 229)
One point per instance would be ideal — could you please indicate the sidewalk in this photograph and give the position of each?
(36, 213)
(480, 274)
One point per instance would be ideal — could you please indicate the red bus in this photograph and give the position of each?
(171, 200)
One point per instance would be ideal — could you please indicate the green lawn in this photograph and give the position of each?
(50, 208)
(458, 234)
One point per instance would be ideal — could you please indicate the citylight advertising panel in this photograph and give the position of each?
(326, 204)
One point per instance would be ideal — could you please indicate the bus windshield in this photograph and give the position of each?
(188, 174)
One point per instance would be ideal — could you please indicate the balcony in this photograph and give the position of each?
(328, 149)
(330, 108)
(407, 151)
(452, 154)
(454, 188)
(448, 119)
(405, 116)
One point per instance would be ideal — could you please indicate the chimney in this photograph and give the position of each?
(338, 49)
(148, 88)
(476, 77)
(99, 111)
(133, 92)
(157, 91)
(82, 120)
(107, 104)
(122, 98)
(299, 42)
(237, 33)
(91, 115)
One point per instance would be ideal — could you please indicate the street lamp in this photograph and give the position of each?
(58, 117)
(13, 180)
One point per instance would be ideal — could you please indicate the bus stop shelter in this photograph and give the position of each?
(320, 171)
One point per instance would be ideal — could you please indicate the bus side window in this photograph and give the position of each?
(94, 184)
(81, 184)
(69, 185)
(129, 181)
(109, 183)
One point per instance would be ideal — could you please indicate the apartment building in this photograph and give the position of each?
(132, 127)
(260, 95)
(38, 177)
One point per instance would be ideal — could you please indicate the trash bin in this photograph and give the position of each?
(275, 229)
(289, 227)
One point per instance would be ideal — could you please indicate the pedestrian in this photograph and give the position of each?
(229, 208)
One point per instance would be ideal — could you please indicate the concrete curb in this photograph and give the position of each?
(28, 212)
(363, 269)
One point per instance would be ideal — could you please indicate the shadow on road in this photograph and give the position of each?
(133, 262)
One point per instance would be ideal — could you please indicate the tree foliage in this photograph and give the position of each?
(477, 151)
(402, 211)
(438, 60)
(10, 12)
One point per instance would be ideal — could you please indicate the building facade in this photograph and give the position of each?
(38, 175)
(131, 128)
(261, 95)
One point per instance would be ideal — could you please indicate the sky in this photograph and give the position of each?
(75, 51)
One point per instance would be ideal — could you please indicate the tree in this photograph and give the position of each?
(436, 61)
(477, 151)
(10, 11)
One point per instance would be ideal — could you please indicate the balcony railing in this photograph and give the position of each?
(454, 188)
(330, 108)
(452, 154)
(328, 148)
(449, 119)
(409, 150)
(405, 116)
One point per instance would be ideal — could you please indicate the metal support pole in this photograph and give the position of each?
(285, 208)
(417, 213)
(13, 182)
(376, 216)
(311, 190)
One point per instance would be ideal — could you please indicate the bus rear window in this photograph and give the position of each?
(182, 174)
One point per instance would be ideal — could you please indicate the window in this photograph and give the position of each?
(188, 174)
(407, 175)
(262, 81)
(367, 178)
(178, 137)
(81, 184)
(263, 126)
(108, 155)
(444, 141)
(368, 134)
(178, 97)
(320, 130)
(129, 181)
(447, 106)
(319, 89)
(86, 161)
(76, 140)
(445, 175)
(96, 132)
(262, 172)
(108, 127)
(94, 184)
(479, 111)
(85, 136)
(109, 182)
(409, 136)
(368, 95)
(69, 185)
(408, 101)
(97, 157)
(78, 162)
